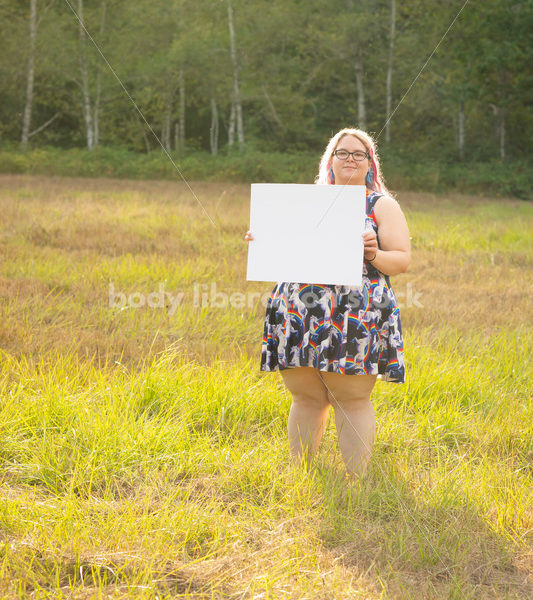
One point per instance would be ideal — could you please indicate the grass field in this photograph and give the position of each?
(145, 456)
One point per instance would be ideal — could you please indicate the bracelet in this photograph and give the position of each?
(373, 258)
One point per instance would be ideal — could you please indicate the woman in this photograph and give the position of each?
(330, 351)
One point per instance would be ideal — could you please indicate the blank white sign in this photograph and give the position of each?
(307, 233)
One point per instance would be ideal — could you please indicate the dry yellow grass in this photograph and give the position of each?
(166, 473)
(65, 240)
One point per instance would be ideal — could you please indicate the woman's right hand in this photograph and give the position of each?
(248, 237)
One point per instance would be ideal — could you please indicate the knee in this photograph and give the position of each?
(310, 401)
(307, 390)
(352, 400)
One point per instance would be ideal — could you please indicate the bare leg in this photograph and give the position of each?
(355, 419)
(309, 411)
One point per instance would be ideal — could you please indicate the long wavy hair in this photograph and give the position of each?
(374, 180)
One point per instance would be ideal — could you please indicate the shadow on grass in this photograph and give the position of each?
(412, 541)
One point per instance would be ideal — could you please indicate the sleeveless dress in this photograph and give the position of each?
(336, 328)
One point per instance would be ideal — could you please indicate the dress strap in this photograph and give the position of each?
(371, 200)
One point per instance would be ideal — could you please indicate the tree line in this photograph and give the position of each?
(444, 78)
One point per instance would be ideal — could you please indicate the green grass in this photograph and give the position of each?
(185, 467)
(143, 454)
(480, 228)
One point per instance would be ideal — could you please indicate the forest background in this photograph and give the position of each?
(251, 91)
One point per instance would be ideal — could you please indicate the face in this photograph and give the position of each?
(350, 171)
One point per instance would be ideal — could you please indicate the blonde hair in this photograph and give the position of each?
(374, 180)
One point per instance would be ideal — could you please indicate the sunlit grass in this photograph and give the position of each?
(144, 455)
(480, 228)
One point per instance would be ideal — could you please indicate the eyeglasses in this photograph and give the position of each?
(358, 156)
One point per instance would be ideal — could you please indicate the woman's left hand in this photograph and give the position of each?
(370, 242)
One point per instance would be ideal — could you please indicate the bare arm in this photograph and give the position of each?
(394, 255)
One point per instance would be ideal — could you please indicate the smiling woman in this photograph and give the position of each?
(350, 162)
(331, 342)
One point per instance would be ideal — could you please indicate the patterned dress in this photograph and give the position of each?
(337, 328)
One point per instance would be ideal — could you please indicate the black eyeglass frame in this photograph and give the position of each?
(365, 155)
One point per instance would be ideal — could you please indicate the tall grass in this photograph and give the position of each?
(145, 456)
